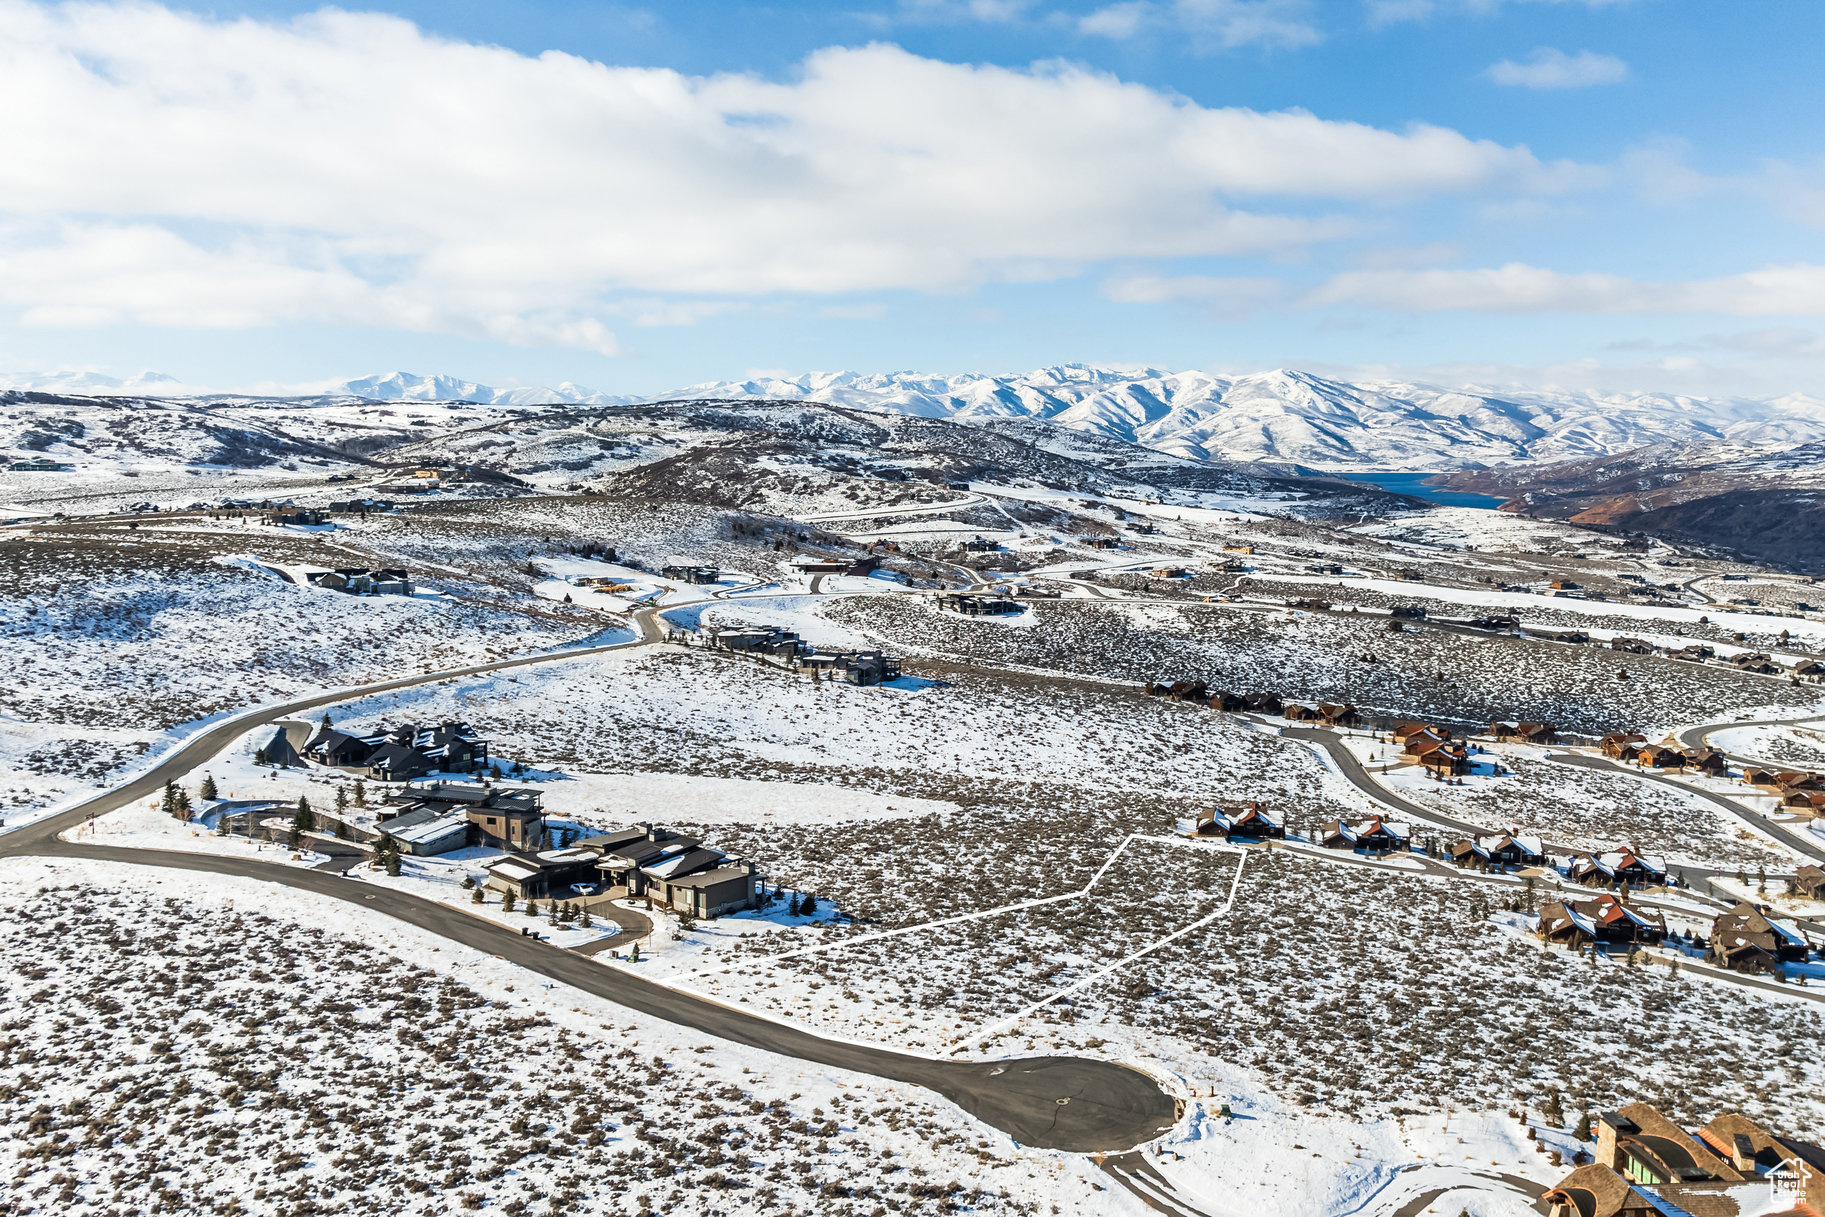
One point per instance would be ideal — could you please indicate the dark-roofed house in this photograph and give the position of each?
(1746, 939)
(1709, 762)
(1230, 703)
(851, 667)
(1660, 756)
(1525, 733)
(1634, 646)
(728, 888)
(1373, 836)
(328, 746)
(686, 571)
(503, 817)
(1501, 850)
(1615, 867)
(402, 754)
(975, 605)
(1338, 714)
(1248, 822)
(1264, 703)
(1605, 919)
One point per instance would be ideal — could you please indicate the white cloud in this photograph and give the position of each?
(1387, 12)
(1797, 290)
(1211, 24)
(171, 169)
(1548, 68)
(1228, 297)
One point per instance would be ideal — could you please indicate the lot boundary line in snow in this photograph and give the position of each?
(1019, 1015)
(1019, 906)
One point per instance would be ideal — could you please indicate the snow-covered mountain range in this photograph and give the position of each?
(1313, 421)
(1284, 416)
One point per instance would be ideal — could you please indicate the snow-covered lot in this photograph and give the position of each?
(1305, 656)
(186, 1042)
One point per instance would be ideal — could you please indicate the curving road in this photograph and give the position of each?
(1053, 1102)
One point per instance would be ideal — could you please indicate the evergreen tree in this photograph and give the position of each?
(507, 901)
(259, 756)
(532, 908)
(476, 897)
(181, 809)
(207, 789)
(304, 819)
(168, 804)
(584, 921)
(393, 864)
(1553, 1109)
(221, 825)
(361, 793)
(1583, 1131)
(342, 798)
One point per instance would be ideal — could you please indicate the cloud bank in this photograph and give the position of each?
(346, 168)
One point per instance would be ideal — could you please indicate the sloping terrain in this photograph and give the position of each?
(1768, 505)
(1311, 420)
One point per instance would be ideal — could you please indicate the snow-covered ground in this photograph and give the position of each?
(397, 1073)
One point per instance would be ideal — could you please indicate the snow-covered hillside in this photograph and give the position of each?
(1283, 416)
(1310, 420)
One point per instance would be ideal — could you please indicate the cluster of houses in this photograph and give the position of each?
(1634, 747)
(683, 570)
(786, 649)
(1798, 791)
(1646, 1165)
(669, 870)
(1757, 662)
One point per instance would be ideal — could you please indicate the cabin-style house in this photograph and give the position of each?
(1746, 939)
(1371, 836)
(1661, 756)
(1247, 822)
(1617, 867)
(1607, 920)
(1621, 745)
(1503, 850)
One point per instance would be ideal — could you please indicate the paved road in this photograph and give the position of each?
(1066, 1103)
(1358, 776)
(1699, 737)
(1786, 836)
(878, 513)
(1051, 1102)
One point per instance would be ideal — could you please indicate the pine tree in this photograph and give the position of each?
(168, 804)
(532, 908)
(1553, 1109)
(221, 825)
(259, 756)
(393, 864)
(584, 921)
(182, 810)
(342, 798)
(207, 789)
(304, 819)
(507, 902)
(476, 897)
(1583, 1131)
(361, 793)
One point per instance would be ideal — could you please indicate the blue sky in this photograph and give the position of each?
(1617, 194)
